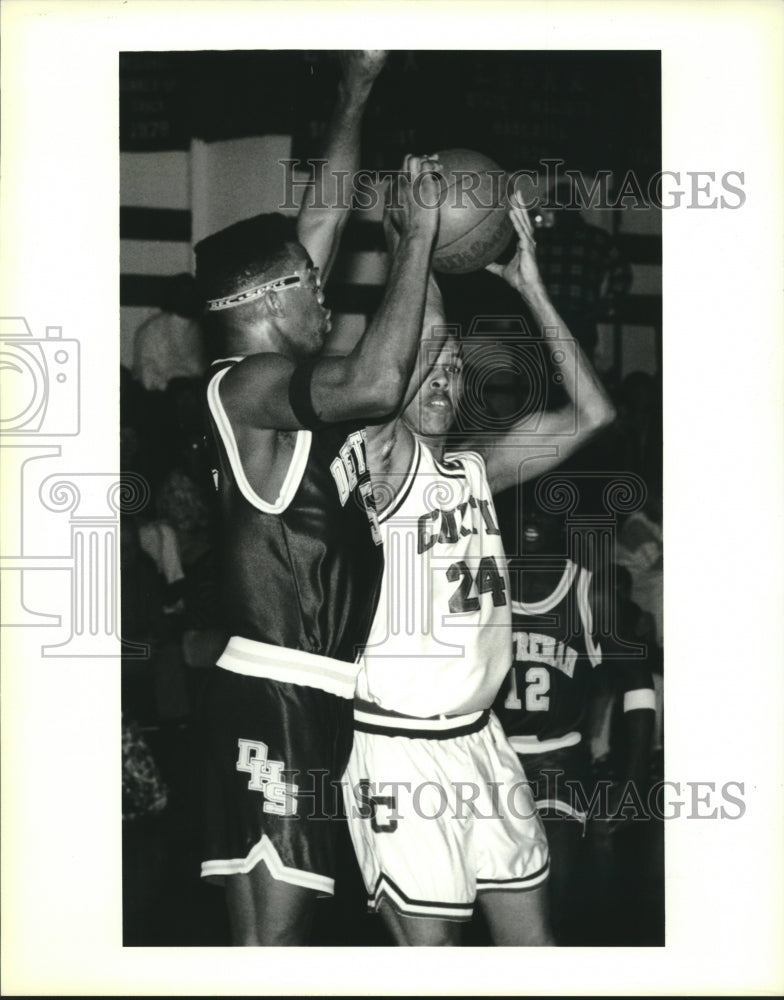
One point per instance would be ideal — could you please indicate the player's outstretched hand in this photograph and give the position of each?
(413, 196)
(362, 66)
(521, 272)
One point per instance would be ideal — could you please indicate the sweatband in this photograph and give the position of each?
(299, 396)
(641, 698)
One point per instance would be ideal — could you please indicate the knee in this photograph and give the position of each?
(540, 936)
(442, 937)
(435, 937)
(244, 937)
(270, 934)
(287, 936)
(421, 932)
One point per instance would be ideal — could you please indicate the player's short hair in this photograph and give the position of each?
(244, 254)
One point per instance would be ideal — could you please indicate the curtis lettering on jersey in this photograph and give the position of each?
(531, 647)
(350, 470)
(446, 526)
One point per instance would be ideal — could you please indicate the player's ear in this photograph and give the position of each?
(274, 304)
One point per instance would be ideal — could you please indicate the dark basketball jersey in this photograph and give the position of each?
(302, 572)
(546, 691)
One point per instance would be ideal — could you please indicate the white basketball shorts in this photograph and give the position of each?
(438, 810)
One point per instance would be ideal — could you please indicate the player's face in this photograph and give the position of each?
(309, 321)
(432, 411)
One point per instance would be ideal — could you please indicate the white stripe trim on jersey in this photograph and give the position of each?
(265, 851)
(455, 469)
(548, 603)
(584, 604)
(559, 806)
(462, 459)
(289, 666)
(641, 698)
(294, 472)
(442, 724)
(531, 744)
(460, 456)
(386, 889)
(408, 483)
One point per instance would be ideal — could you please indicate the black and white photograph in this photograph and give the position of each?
(489, 318)
(355, 378)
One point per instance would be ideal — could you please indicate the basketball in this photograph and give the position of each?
(473, 223)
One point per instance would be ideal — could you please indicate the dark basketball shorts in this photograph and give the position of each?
(560, 778)
(275, 753)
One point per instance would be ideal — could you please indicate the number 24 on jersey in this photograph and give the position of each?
(488, 580)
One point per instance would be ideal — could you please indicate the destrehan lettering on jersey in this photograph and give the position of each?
(349, 465)
(536, 648)
(546, 690)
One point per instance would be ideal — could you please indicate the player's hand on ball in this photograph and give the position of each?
(414, 196)
(521, 272)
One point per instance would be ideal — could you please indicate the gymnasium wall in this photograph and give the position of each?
(155, 233)
(634, 342)
(170, 200)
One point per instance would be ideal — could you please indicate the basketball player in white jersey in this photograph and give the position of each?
(437, 803)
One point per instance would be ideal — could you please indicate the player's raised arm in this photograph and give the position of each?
(390, 442)
(588, 408)
(325, 205)
(290, 390)
(433, 322)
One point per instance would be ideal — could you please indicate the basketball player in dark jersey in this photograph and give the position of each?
(301, 554)
(544, 703)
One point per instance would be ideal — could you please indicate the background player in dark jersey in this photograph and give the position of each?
(301, 557)
(544, 704)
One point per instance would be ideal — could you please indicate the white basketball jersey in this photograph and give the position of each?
(440, 643)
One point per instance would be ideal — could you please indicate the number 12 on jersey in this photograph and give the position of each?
(537, 684)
